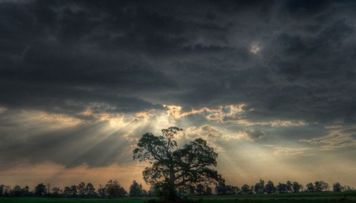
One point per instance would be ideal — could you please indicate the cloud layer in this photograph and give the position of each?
(80, 81)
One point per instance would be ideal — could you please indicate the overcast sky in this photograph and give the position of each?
(270, 84)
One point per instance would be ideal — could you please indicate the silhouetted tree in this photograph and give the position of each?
(321, 186)
(154, 190)
(347, 188)
(17, 191)
(135, 189)
(337, 187)
(26, 191)
(56, 191)
(70, 191)
(310, 187)
(81, 189)
(89, 190)
(113, 189)
(6, 190)
(282, 188)
(269, 187)
(245, 189)
(289, 186)
(173, 167)
(232, 190)
(67, 191)
(101, 191)
(223, 189)
(220, 188)
(2, 190)
(297, 187)
(260, 186)
(40, 190)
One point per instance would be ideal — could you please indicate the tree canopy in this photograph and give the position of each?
(172, 167)
(136, 190)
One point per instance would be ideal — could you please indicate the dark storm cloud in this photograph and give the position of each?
(304, 69)
(284, 59)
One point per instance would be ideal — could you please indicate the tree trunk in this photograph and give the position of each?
(171, 187)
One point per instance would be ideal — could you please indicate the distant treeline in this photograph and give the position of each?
(112, 189)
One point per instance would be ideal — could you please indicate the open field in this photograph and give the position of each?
(282, 198)
(60, 200)
(286, 198)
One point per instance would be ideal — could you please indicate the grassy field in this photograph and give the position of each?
(281, 198)
(60, 200)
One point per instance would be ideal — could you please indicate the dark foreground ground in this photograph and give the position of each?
(283, 198)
